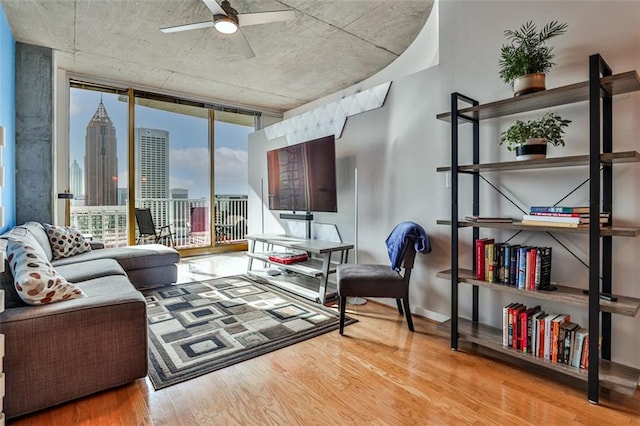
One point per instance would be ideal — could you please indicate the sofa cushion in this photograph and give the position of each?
(36, 281)
(65, 241)
(37, 231)
(90, 269)
(130, 257)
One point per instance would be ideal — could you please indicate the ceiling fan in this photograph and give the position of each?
(227, 21)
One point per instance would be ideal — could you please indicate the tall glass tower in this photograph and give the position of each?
(152, 172)
(101, 160)
(76, 184)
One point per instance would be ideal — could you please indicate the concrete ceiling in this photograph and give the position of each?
(331, 45)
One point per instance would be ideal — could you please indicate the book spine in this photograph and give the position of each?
(522, 266)
(507, 264)
(515, 334)
(524, 342)
(547, 337)
(480, 244)
(568, 336)
(513, 263)
(532, 269)
(511, 324)
(529, 341)
(555, 214)
(556, 209)
(505, 324)
(489, 262)
(500, 250)
(555, 326)
(545, 268)
(527, 269)
(541, 325)
(577, 348)
(538, 269)
(559, 219)
(560, 345)
(584, 357)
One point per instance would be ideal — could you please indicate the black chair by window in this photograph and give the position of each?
(147, 229)
(356, 280)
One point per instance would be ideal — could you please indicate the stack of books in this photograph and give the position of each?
(287, 258)
(550, 336)
(567, 217)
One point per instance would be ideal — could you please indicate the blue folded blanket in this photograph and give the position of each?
(406, 233)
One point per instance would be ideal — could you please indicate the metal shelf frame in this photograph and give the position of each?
(598, 91)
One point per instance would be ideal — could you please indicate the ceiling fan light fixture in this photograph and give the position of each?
(225, 24)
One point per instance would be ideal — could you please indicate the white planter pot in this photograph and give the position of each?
(529, 83)
(532, 149)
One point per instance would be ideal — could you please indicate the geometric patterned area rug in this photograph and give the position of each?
(199, 327)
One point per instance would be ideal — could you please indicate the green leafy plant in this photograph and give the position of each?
(527, 53)
(550, 127)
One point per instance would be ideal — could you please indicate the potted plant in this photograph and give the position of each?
(529, 139)
(526, 60)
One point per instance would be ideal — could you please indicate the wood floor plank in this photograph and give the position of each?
(378, 373)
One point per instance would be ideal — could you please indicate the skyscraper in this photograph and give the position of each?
(101, 160)
(76, 184)
(152, 172)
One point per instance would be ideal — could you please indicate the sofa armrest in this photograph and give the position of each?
(96, 245)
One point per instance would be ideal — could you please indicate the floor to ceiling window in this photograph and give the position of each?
(173, 169)
(231, 175)
(188, 167)
(98, 164)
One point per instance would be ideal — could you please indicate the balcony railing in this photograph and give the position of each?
(189, 220)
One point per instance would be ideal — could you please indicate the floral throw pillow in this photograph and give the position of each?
(65, 241)
(36, 282)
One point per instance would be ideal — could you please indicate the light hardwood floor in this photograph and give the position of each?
(378, 373)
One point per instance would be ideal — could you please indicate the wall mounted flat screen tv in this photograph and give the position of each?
(302, 177)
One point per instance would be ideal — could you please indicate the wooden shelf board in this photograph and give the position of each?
(627, 306)
(571, 161)
(310, 267)
(618, 377)
(578, 92)
(618, 231)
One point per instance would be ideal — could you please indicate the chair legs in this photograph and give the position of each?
(343, 309)
(342, 305)
(407, 312)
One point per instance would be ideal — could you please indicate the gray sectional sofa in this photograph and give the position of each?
(61, 351)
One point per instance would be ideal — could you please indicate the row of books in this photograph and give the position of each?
(545, 335)
(568, 217)
(523, 267)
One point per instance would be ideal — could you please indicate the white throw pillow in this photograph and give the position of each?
(66, 241)
(36, 282)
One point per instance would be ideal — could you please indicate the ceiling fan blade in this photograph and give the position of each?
(246, 19)
(242, 44)
(214, 7)
(187, 27)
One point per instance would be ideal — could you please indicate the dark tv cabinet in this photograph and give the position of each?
(599, 90)
(309, 279)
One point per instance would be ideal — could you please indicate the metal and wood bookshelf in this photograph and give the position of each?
(598, 90)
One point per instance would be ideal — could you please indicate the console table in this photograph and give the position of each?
(309, 279)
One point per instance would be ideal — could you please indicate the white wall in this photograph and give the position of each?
(397, 148)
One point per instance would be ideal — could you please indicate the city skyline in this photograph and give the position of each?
(188, 150)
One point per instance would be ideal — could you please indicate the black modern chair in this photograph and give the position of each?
(147, 229)
(354, 280)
